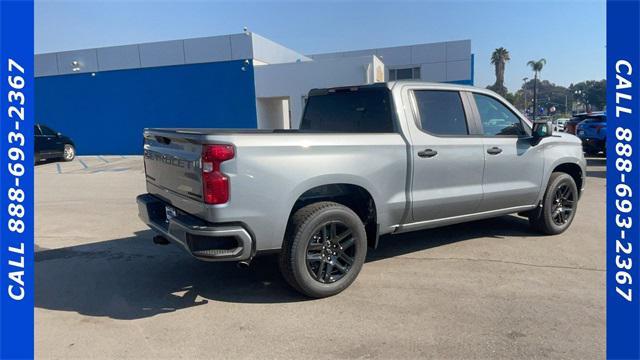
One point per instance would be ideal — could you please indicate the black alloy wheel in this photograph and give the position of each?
(563, 202)
(330, 252)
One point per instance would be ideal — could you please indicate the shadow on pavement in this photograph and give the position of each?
(48, 161)
(601, 161)
(130, 278)
(602, 174)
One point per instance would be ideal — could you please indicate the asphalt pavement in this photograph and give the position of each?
(487, 289)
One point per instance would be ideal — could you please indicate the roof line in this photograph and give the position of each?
(140, 43)
(385, 47)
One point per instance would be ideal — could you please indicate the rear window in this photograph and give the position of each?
(361, 110)
(596, 119)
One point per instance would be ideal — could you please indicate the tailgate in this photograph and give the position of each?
(172, 162)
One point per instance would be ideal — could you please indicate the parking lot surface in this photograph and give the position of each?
(487, 289)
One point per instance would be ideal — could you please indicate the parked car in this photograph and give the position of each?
(558, 124)
(593, 133)
(570, 126)
(367, 161)
(50, 144)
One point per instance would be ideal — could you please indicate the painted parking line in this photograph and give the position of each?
(92, 161)
(103, 159)
(71, 166)
(109, 170)
(92, 165)
(83, 163)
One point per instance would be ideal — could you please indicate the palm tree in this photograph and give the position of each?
(536, 66)
(499, 59)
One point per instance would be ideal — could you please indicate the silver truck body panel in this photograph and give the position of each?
(271, 170)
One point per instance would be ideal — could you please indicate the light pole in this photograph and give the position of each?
(524, 91)
(535, 94)
(580, 94)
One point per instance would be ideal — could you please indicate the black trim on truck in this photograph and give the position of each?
(204, 241)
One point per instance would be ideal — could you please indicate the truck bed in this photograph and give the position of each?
(266, 161)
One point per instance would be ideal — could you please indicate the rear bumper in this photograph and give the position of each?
(205, 241)
(589, 143)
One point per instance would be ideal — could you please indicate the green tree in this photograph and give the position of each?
(536, 66)
(591, 93)
(499, 59)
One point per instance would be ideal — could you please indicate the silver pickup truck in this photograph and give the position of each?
(367, 161)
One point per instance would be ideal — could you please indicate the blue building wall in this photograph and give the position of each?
(105, 114)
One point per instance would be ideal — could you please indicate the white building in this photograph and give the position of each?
(281, 89)
(230, 81)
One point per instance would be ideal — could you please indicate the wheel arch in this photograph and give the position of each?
(567, 166)
(353, 194)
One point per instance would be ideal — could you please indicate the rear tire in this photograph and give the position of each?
(559, 205)
(324, 249)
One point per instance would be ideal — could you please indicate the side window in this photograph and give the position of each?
(441, 112)
(47, 131)
(496, 118)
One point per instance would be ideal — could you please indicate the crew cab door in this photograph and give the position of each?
(447, 155)
(513, 165)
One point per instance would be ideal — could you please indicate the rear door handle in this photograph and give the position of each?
(427, 153)
(494, 150)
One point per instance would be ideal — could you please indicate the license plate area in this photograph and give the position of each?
(170, 212)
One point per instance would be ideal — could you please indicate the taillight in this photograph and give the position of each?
(215, 184)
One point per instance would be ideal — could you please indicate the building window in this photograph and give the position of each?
(404, 74)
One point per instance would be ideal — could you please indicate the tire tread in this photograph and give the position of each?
(540, 223)
(297, 223)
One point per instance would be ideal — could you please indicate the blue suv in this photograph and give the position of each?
(593, 133)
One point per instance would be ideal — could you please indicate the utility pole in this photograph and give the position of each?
(535, 95)
(524, 91)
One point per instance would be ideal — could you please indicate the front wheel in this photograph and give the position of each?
(69, 152)
(559, 205)
(324, 249)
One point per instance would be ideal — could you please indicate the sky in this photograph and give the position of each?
(570, 35)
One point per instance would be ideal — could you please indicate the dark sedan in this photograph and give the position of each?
(52, 145)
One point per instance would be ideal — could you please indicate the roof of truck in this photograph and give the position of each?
(392, 84)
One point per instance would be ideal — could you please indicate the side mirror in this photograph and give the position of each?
(541, 129)
(59, 134)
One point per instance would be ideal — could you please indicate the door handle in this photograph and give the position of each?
(427, 153)
(494, 150)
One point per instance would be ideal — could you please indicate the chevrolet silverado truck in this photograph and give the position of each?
(366, 161)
